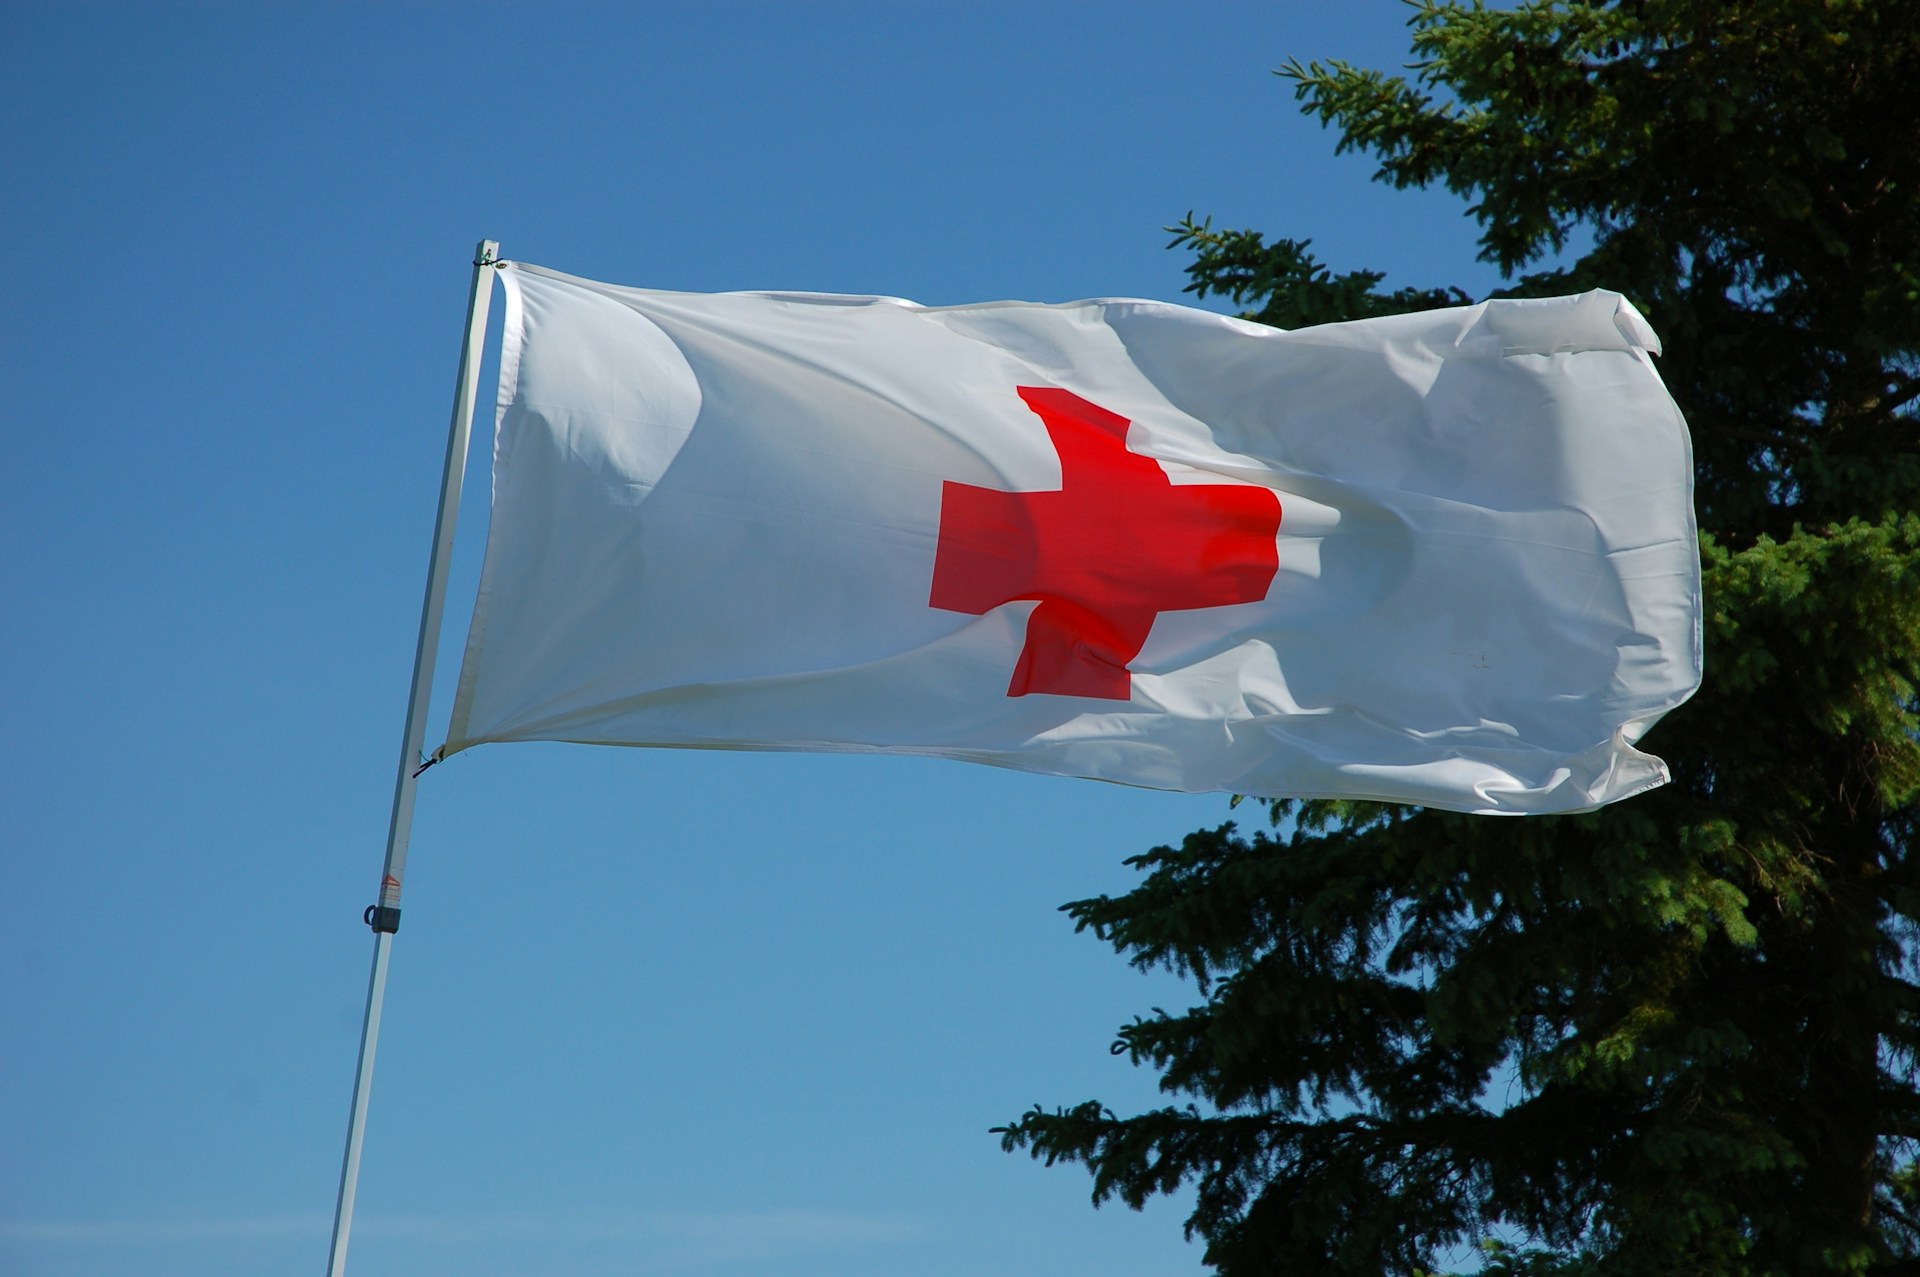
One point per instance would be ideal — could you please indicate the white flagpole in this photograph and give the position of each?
(384, 917)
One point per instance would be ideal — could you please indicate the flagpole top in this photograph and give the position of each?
(486, 253)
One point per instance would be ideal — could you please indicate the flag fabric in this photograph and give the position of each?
(1446, 558)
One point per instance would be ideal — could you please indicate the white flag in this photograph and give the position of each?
(1445, 558)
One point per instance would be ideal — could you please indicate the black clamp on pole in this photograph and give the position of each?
(382, 918)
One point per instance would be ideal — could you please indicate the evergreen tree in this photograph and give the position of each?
(1676, 1036)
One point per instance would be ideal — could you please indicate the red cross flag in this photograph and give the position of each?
(1445, 558)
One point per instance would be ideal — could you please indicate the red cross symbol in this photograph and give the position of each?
(1114, 547)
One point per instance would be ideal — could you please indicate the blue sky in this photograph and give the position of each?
(651, 1012)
